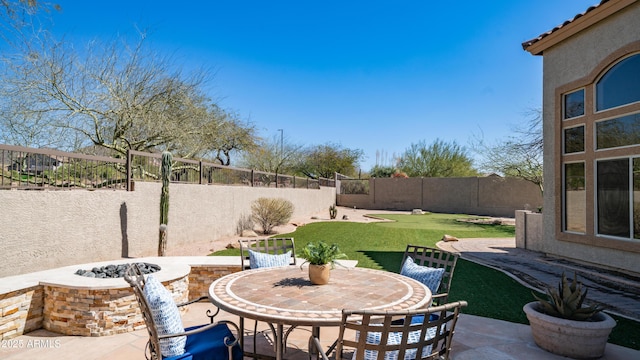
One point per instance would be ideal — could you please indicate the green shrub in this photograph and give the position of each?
(354, 186)
(271, 212)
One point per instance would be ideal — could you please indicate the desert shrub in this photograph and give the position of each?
(245, 223)
(271, 212)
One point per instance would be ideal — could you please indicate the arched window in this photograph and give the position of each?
(620, 85)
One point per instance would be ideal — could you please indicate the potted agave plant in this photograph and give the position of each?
(563, 325)
(321, 258)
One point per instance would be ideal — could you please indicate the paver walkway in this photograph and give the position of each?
(619, 293)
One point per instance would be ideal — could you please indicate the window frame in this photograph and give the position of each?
(564, 103)
(603, 74)
(590, 155)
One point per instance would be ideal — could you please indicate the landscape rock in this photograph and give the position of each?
(449, 238)
(417, 212)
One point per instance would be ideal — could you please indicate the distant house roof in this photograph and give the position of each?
(592, 15)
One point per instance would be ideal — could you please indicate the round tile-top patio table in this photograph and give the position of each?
(285, 296)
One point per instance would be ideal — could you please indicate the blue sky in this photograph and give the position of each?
(371, 75)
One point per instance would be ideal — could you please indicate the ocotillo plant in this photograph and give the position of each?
(165, 173)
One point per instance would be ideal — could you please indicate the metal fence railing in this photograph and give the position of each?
(38, 169)
(28, 168)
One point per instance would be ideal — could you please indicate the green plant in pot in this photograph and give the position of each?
(321, 258)
(564, 325)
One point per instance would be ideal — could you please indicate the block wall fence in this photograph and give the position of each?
(489, 196)
(49, 229)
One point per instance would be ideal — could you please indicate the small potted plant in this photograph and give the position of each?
(562, 324)
(321, 258)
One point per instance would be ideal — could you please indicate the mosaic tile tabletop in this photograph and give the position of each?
(285, 295)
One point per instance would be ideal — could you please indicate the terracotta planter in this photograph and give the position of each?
(319, 274)
(575, 339)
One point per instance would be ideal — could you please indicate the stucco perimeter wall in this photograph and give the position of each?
(490, 196)
(564, 63)
(48, 229)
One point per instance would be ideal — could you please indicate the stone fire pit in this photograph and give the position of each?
(116, 270)
(94, 306)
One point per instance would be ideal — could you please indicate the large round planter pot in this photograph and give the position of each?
(319, 274)
(575, 339)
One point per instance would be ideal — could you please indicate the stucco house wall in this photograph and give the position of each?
(566, 62)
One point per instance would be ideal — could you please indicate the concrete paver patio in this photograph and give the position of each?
(476, 338)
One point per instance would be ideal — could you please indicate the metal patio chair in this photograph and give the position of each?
(434, 258)
(378, 335)
(272, 247)
(203, 342)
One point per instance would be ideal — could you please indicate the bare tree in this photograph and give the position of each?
(228, 135)
(519, 155)
(273, 155)
(115, 95)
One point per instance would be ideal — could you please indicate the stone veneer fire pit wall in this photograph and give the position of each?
(69, 304)
(76, 305)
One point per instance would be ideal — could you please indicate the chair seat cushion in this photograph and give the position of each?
(430, 277)
(166, 315)
(263, 260)
(395, 338)
(209, 345)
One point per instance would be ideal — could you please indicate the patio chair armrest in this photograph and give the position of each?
(315, 346)
(205, 328)
(210, 314)
(193, 301)
(439, 299)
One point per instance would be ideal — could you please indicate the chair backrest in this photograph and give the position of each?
(134, 277)
(420, 335)
(435, 258)
(273, 246)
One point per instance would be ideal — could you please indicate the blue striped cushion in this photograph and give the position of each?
(263, 260)
(429, 276)
(395, 338)
(166, 315)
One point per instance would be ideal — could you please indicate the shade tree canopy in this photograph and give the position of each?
(438, 159)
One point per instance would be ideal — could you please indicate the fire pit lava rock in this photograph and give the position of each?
(116, 271)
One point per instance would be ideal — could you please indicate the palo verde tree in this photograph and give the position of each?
(327, 159)
(438, 159)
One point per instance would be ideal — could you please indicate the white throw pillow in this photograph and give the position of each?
(166, 315)
(263, 260)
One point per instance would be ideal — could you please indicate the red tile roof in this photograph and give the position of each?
(528, 43)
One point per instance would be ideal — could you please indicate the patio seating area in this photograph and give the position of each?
(476, 337)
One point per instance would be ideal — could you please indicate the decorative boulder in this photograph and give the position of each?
(417, 212)
(449, 238)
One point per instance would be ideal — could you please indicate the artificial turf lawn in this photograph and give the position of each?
(380, 245)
